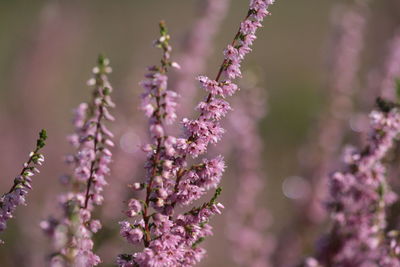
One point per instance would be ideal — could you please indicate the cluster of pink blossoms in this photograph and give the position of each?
(359, 196)
(172, 238)
(72, 234)
(16, 196)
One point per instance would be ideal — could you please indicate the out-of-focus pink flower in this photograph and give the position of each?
(72, 234)
(359, 195)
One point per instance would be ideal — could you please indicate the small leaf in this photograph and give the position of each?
(216, 194)
(384, 105)
(106, 91)
(43, 134)
(397, 81)
(163, 28)
(101, 60)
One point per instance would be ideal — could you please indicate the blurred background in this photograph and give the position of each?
(47, 51)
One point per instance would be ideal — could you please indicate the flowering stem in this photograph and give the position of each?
(92, 166)
(172, 239)
(146, 218)
(40, 144)
(359, 196)
(16, 195)
(223, 65)
(155, 163)
(181, 172)
(72, 234)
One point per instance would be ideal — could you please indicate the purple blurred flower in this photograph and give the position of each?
(72, 234)
(359, 196)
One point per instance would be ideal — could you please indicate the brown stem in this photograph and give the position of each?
(156, 157)
(92, 166)
(24, 169)
(146, 218)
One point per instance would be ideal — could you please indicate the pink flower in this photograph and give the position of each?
(210, 85)
(231, 53)
(171, 237)
(16, 196)
(233, 70)
(91, 165)
(133, 235)
(215, 109)
(229, 88)
(357, 199)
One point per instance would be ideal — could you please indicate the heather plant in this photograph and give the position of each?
(381, 80)
(171, 238)
(359, 196)
(196, 49)
(72, 233)
(16, 196)
(164, 214)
